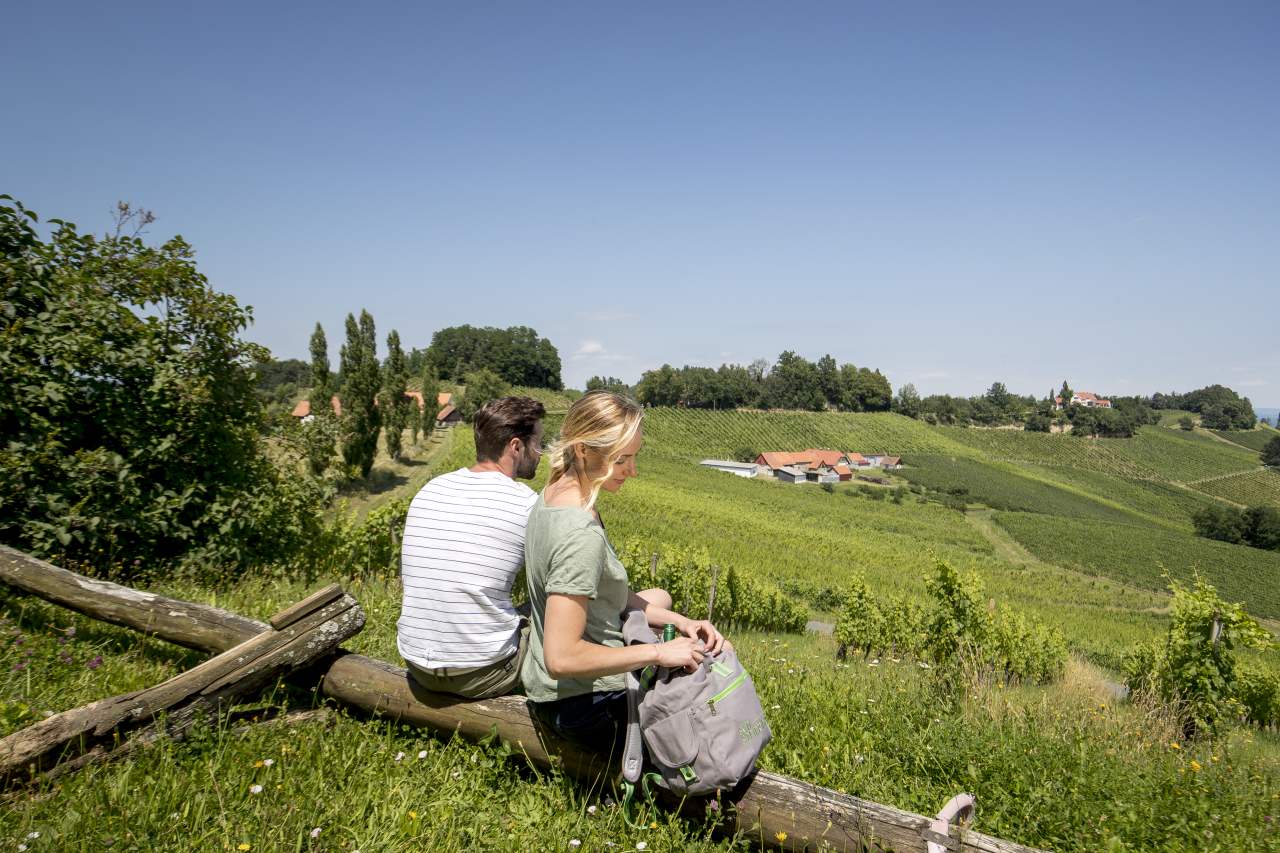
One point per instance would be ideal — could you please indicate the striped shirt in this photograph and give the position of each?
(463, 545)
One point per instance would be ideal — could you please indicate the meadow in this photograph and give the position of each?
(1068, 766)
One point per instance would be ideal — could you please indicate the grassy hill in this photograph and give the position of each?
(1066, 767)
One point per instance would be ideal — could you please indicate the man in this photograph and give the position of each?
(463, 545)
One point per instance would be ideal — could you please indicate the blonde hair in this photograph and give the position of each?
(605, 422)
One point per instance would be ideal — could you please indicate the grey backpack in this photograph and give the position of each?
(703, 730)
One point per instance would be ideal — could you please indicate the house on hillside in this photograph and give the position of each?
(857, 460)
(448, 417)
(1088, 399)
(822, 474)
(302, 411)
(789, 474)
(740, 469)
(891, 463)
(844, 472)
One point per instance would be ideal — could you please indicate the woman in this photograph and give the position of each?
(578, 589)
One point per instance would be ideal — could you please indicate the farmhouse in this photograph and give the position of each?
(302, 411)
(1088, 399)
(448, 417)
(741, 469)
(788, 474)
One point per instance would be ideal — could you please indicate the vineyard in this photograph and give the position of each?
(1253, 439)
(1002, 485)
(701, 433)
(1259, 486)
(1141, 554)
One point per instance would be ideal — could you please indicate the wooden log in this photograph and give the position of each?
(196, 626)
(202, 692)
(775, 810)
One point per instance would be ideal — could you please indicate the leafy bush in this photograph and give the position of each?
(1194, 667)
(1256, 526)
(957, 631)
(741, 601)
(129, 424)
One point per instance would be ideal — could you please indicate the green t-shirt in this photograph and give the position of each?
(566, 551)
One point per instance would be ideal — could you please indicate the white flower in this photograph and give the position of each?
(573, 842)
(640, 845)
(457, 774)
(255, 789)
(923, 665)
(422, 753)
(32, 836)
(267, 762)
(777, 707)
(591, 809)
(315, 833)
(399, 755)
(21, 847)
(811, 728)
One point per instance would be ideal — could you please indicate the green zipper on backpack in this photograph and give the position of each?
(728, 688)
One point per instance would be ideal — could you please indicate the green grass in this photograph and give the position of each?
(1140, 555)
(1065, 768)
(1160, 503)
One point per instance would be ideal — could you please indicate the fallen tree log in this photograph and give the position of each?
(776, 810)
(301, 635)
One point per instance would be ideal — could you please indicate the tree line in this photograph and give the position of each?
(791, 382)
(1219, 407)
(516, 355)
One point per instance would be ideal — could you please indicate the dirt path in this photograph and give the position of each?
(1007, 548)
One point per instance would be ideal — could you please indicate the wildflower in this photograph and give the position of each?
(591, 809)
(268, 762)
(653, 825)
(315, 833)
(780, 835)
(242, 846)
(32, 836)
(399, 755)
(258, 763)
(422, 753)
(413, 815)
(640, 845)
(255, 789)
(714, 805)
(1175, 745)
(923, 665)
(21, 847)
(94, 662)
(575, 843)
(811, 728)
(1195, 765)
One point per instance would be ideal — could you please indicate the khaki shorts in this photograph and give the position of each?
(496, 679)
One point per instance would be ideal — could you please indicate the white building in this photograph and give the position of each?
(741, 469)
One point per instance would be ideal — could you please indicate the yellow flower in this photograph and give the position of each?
(781, 836)
(257, 764)
(242, 846)
(1175, 745)
(653, 825)
(1195, 765)
(413, 815)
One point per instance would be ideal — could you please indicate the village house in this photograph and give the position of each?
(741, 469)
(788, 474)
(302, 411)
(1088, 399)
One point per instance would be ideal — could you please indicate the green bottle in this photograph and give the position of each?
(668, 632)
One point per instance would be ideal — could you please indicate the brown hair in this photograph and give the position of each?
(498, 421)
(601, 420)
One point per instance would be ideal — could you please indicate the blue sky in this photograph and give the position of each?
(954, 193)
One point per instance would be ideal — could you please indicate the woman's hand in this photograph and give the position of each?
(700, 629)
(681, 653)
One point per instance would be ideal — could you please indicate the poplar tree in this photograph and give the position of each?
(431, 408)
(395, 412)
(360, 418)
(321, 433)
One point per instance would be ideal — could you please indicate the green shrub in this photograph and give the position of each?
(1194, 667)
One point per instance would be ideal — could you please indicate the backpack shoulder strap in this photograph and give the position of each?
(634, 630)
